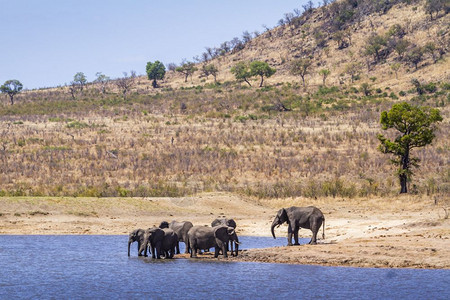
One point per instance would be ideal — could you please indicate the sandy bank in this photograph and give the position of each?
(405, 232)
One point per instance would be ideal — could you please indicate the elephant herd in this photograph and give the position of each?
(164, 240)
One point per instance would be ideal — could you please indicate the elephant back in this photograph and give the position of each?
(223, 221)
(154, 234)
(170, 237)
(180, 226)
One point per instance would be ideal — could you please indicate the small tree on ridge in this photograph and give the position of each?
(11, 87)
(155, 71)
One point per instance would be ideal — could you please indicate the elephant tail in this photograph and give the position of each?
(323, 224)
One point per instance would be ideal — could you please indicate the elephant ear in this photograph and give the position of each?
(282, 215)
(221, 231)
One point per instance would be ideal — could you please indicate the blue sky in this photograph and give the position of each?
(44, 42)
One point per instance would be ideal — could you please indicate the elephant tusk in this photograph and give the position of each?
(238, 243)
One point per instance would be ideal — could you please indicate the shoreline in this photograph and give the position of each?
(406, 232)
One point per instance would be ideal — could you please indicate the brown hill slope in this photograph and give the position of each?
(335, 48)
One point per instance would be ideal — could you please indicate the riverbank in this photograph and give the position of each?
(404, 232)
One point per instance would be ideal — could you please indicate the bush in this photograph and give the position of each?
(430, 87)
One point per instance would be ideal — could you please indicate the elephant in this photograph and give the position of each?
(300, 217)
(169, 242)
(202, 237)
(181, 229)
(137, 235)
(226, 222)
(161, 241)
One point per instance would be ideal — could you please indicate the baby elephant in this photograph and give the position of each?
(136, 236)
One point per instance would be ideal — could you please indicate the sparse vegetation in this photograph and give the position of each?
(288, 138)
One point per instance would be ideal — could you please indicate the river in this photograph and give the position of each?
(97, 267)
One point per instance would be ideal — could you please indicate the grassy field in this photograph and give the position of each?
(211, 138)
(281, 140)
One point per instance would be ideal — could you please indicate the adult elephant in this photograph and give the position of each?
(138, 236)
(201, 237)
(225, 222)
(300, 217)
(161, 242)
(181, 229)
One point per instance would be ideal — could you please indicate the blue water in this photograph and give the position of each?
(97, 267)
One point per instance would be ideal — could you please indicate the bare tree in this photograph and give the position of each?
(126, 83)
(103, 81)
(171, 66)
(246, 37)
(73, 89)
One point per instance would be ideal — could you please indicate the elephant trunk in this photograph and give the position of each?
(129, 244)
(272, 228)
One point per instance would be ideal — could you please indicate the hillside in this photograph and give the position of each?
(282, 140)
(333, 47)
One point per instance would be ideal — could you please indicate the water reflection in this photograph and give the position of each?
(81, 267)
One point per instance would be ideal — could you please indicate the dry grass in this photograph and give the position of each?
(191, 137)
(131, 151)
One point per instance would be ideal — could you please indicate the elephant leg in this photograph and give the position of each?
(289, 235)
(158, 252)
(186, 250)
(178, 247)
(224, 249)
(194, 250)
(314, 229)
(296, 236)
(216, 252)
(139, 249)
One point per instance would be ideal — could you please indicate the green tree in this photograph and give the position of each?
(365, 89)
(11, 87)
(395, 67)
(324, 73)
(415, 56)
(300, 67)
(353, 69)
(187, 68)
(155, 71)
(210, 70)
(373, 46)
(416, 127)
(434, 6)
(102, 80)
(401, 46)
(261, 69)
(431, 48)
(241, 72)
(80, 79)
